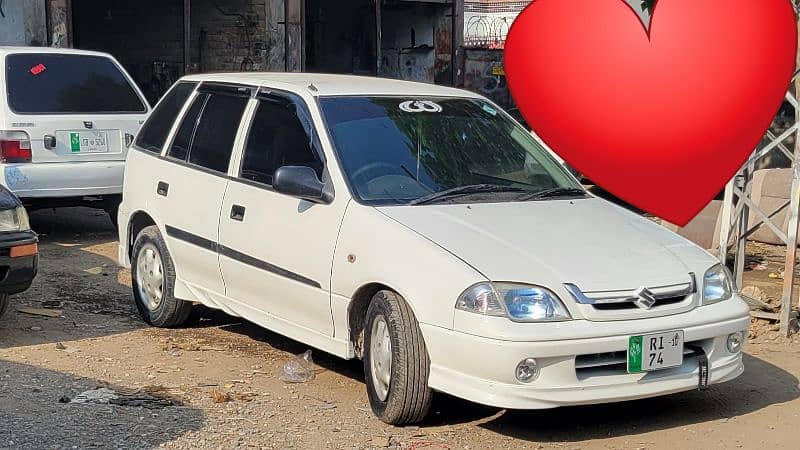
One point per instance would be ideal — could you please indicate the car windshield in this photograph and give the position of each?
(397, 151)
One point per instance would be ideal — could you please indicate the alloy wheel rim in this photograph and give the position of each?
(150, 276)
(380, 357)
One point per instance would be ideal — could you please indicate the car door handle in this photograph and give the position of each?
(162, 189)
(237, 213)
(49, 141)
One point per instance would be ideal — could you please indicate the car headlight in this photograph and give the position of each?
(14, 220)
(518, 302)
(717, 285)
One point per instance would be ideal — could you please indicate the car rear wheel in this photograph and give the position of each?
(153, 279)
(396, 363)
(3, 304)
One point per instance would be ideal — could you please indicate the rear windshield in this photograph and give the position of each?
(67, 84)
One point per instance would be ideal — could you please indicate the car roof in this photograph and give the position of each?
(334, 85)
(7, 50)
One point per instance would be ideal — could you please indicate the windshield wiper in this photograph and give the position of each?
(555, 192)
(465, 190)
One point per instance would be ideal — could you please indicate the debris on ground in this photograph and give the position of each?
(245, 396)
(220, 397)
(299, 369)
(94, 271)
(101, 396)
(756, 298)
(776, 275)
(190, 345)
(106, 396)
(42, 312)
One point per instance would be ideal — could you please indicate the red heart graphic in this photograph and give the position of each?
(661, 119)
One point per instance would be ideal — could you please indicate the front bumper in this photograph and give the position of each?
(482, 370)
(17, 273)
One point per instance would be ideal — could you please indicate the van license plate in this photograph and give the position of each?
(655, 351)
(88, 142)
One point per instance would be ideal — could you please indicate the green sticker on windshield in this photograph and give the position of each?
(490, 110)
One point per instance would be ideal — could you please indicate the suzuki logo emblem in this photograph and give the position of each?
(644, 298)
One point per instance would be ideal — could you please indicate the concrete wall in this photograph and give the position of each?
(24, 23)
(484, 74)
(229, 40)
(416, 42)
(60, 24)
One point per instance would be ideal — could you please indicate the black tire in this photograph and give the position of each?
(3, 304)
(170, 312)
(409, 397)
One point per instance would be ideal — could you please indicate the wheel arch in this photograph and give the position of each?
(138, 222)
(357, 311)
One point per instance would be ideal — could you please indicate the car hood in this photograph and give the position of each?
(588, 242)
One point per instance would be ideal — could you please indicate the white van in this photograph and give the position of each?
(67, 118)
(421, 229)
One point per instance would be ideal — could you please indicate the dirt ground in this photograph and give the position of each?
(99, 341)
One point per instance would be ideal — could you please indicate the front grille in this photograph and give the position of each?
(645, 297)
(622, 306)
(616, 363)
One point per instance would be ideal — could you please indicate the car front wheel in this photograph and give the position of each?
(153, 279)
(396, 363)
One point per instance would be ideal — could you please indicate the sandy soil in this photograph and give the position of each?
(100, 342)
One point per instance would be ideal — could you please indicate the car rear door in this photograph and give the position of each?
(188, 192)
(74, 107)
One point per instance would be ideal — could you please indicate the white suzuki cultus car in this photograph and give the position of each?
(67, 118)
(423, 230)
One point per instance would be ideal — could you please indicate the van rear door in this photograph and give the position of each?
(74, 107)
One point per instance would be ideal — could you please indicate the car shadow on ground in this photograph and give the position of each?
(762, 384)
(87, 287)
(31, 415)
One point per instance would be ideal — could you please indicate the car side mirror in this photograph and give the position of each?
(301, 182)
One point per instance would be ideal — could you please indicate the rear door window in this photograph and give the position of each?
(154, 132)
(216, 131)
(207, 133)
(48, 83)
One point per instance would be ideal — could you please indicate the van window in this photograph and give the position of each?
(48, 83)
(154, 132)
(216, 130)
(278, 137)
(183, 138)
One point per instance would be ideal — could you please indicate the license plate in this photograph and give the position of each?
(655, 351)
(88, 142)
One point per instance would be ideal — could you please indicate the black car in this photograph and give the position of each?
(19, 248)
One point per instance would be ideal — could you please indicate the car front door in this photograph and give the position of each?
(191, 188)
(276, 251)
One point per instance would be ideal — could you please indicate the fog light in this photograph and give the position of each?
(527, 370)
(735, 341)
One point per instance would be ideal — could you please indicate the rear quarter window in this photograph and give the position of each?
(154, 132)
(46, 83)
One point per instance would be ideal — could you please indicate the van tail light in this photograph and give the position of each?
(15, 147)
